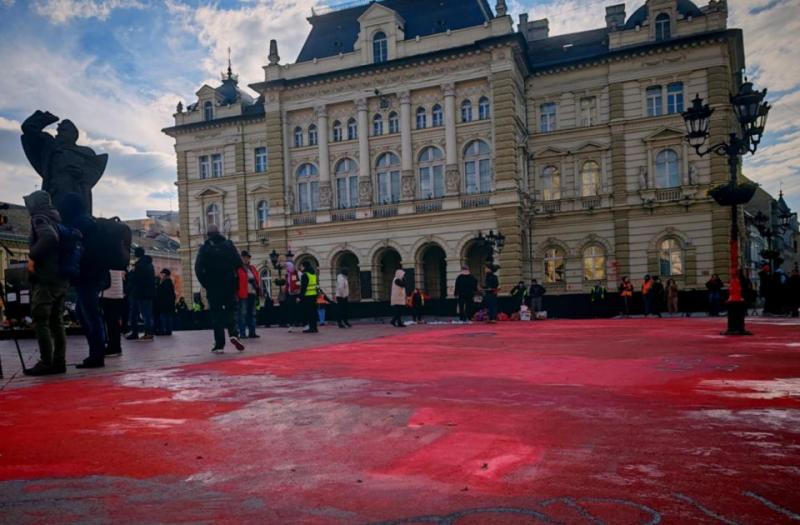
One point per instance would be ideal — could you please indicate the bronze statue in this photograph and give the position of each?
(64, 166)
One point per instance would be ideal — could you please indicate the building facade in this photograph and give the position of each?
(400, 133)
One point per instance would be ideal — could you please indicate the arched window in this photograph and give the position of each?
(668, 173)
(262, 214)
(307, 188)
(663, 30)
(298, 137)
(594, 263)
(670, 259)
(388, 175)
(675, 97)
(346, 173)
(312, 135)
(554, 267)
(422, 118)
(466, 111)
(352, 129)
(478, 167)
(484, 111)
(590, 179)
(437, 116)
(337, 131)
(394, 123)
(212, 215)
(377, 125)
(431, 173)
(208, 111)
(380, 48)
(551, 183)
(655, 101)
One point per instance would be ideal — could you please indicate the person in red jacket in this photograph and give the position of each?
(248, 292)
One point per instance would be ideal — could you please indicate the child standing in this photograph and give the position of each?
(417, 300)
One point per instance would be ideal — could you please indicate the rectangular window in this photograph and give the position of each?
(303, 197)
(471, 177)
(438, 182)
(588, 111)
(342, 200)
(425, 186)
(261, 160)
(547, 117)
(353, 192)
(389, 187)
(205, 167)
(216, 165)
(655, 103)
(314, 195)
(675, 98)
(485, 179)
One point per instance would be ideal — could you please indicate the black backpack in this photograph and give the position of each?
(110, 243)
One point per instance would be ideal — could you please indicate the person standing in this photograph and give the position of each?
(672, 297)
(94, 277)
(417, 305)
(216, 267)
(465, 288)
(113, 303)
(343, 298)
(647, 295)
(598, 299)
(714, 287)
(657, 293)
(49, 286)
(249, 292)
(398, 298)
(308, 291)
(142, 292)
(490, 287)
(294, 311)
(536, 293)
(322, 305)
(518, 294)
(165, 297)
(626, 293)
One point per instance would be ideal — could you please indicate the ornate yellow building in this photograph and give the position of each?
(403, 130)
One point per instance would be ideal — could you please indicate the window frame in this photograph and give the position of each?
(217, 214)
(217, 166)
(421, 118)
(588, 114)
(337, 131)
(553, 255)
(654, 100)
(204, 166)
(313, 135)
(597, 183)
(466, 111)
(663, 27)
(484, 109)
(430, 162)
(590, 263)
(675, 98)
(674, 248)
(208, 111)
(352, 129)
(377, 125)
(380, 48)
(477, 164)
(349, 176)
(437, 116)
(663, 178)
(550, 190)
(262, 223)
(307, 186)
(260, 160)
(298, 137)
(387, 177)
(547, 118)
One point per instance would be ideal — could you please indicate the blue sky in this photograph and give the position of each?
(118, 67)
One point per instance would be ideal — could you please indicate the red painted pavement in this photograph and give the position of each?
(613, 421)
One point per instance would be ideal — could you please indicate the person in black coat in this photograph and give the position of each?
(142, 292)
(216, 267)
(165, 298)
(465, 289)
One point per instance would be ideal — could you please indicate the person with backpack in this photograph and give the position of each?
(49, 284)
(93, 278)
(165, 298)
(142, 293)
(216, 267)
(309, 287)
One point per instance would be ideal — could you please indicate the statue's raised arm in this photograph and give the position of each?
(64, 166)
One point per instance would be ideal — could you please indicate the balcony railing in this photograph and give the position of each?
(551, 206)
(590, 203)
(304, 219)
(343, 216)
(672, 194)
(383, 212)
(475, 201)
(429, 206)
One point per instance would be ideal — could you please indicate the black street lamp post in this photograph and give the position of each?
(491, 243)
(751, 113)
(274, 258)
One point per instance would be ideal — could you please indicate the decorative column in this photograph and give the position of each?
(406, 149)
(364, 162)
(325, 191)
(451, 179)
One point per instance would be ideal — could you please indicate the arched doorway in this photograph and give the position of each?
(349, 261)
(300, 259)
(475, 259)
(388, 262)
(433, 263)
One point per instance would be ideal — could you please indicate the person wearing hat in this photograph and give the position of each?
(165, 298)
(248, 293)
(142, 292)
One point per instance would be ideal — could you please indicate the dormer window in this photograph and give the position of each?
(380, 48)
(208, 111)
(663, 29)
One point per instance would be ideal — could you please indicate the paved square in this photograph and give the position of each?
(609, 421)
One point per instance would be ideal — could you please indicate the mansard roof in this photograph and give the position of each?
(685, 8)
(336, 32)
(569, 47)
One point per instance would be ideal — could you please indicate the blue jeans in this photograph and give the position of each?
(143, 307)
(321, 313)
(88, 310)
(247, 316)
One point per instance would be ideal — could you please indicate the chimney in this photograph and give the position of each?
(274, 57)
(500, 8)
(615, 16)
(538, 30)
(523, 22)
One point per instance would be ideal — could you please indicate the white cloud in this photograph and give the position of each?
(62, 11)
(6, 3)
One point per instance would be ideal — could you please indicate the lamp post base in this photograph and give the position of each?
(737, 311)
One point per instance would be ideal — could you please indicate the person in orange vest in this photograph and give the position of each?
(647, 294)
(322, 305)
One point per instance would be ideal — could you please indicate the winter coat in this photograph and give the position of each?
(165, 297)
(491, 284)
(399, 289)
(536, 291)
(243, 290)
(44, 239)
(217, 265)
(342, 286)
(466, 286)
(142, 279)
